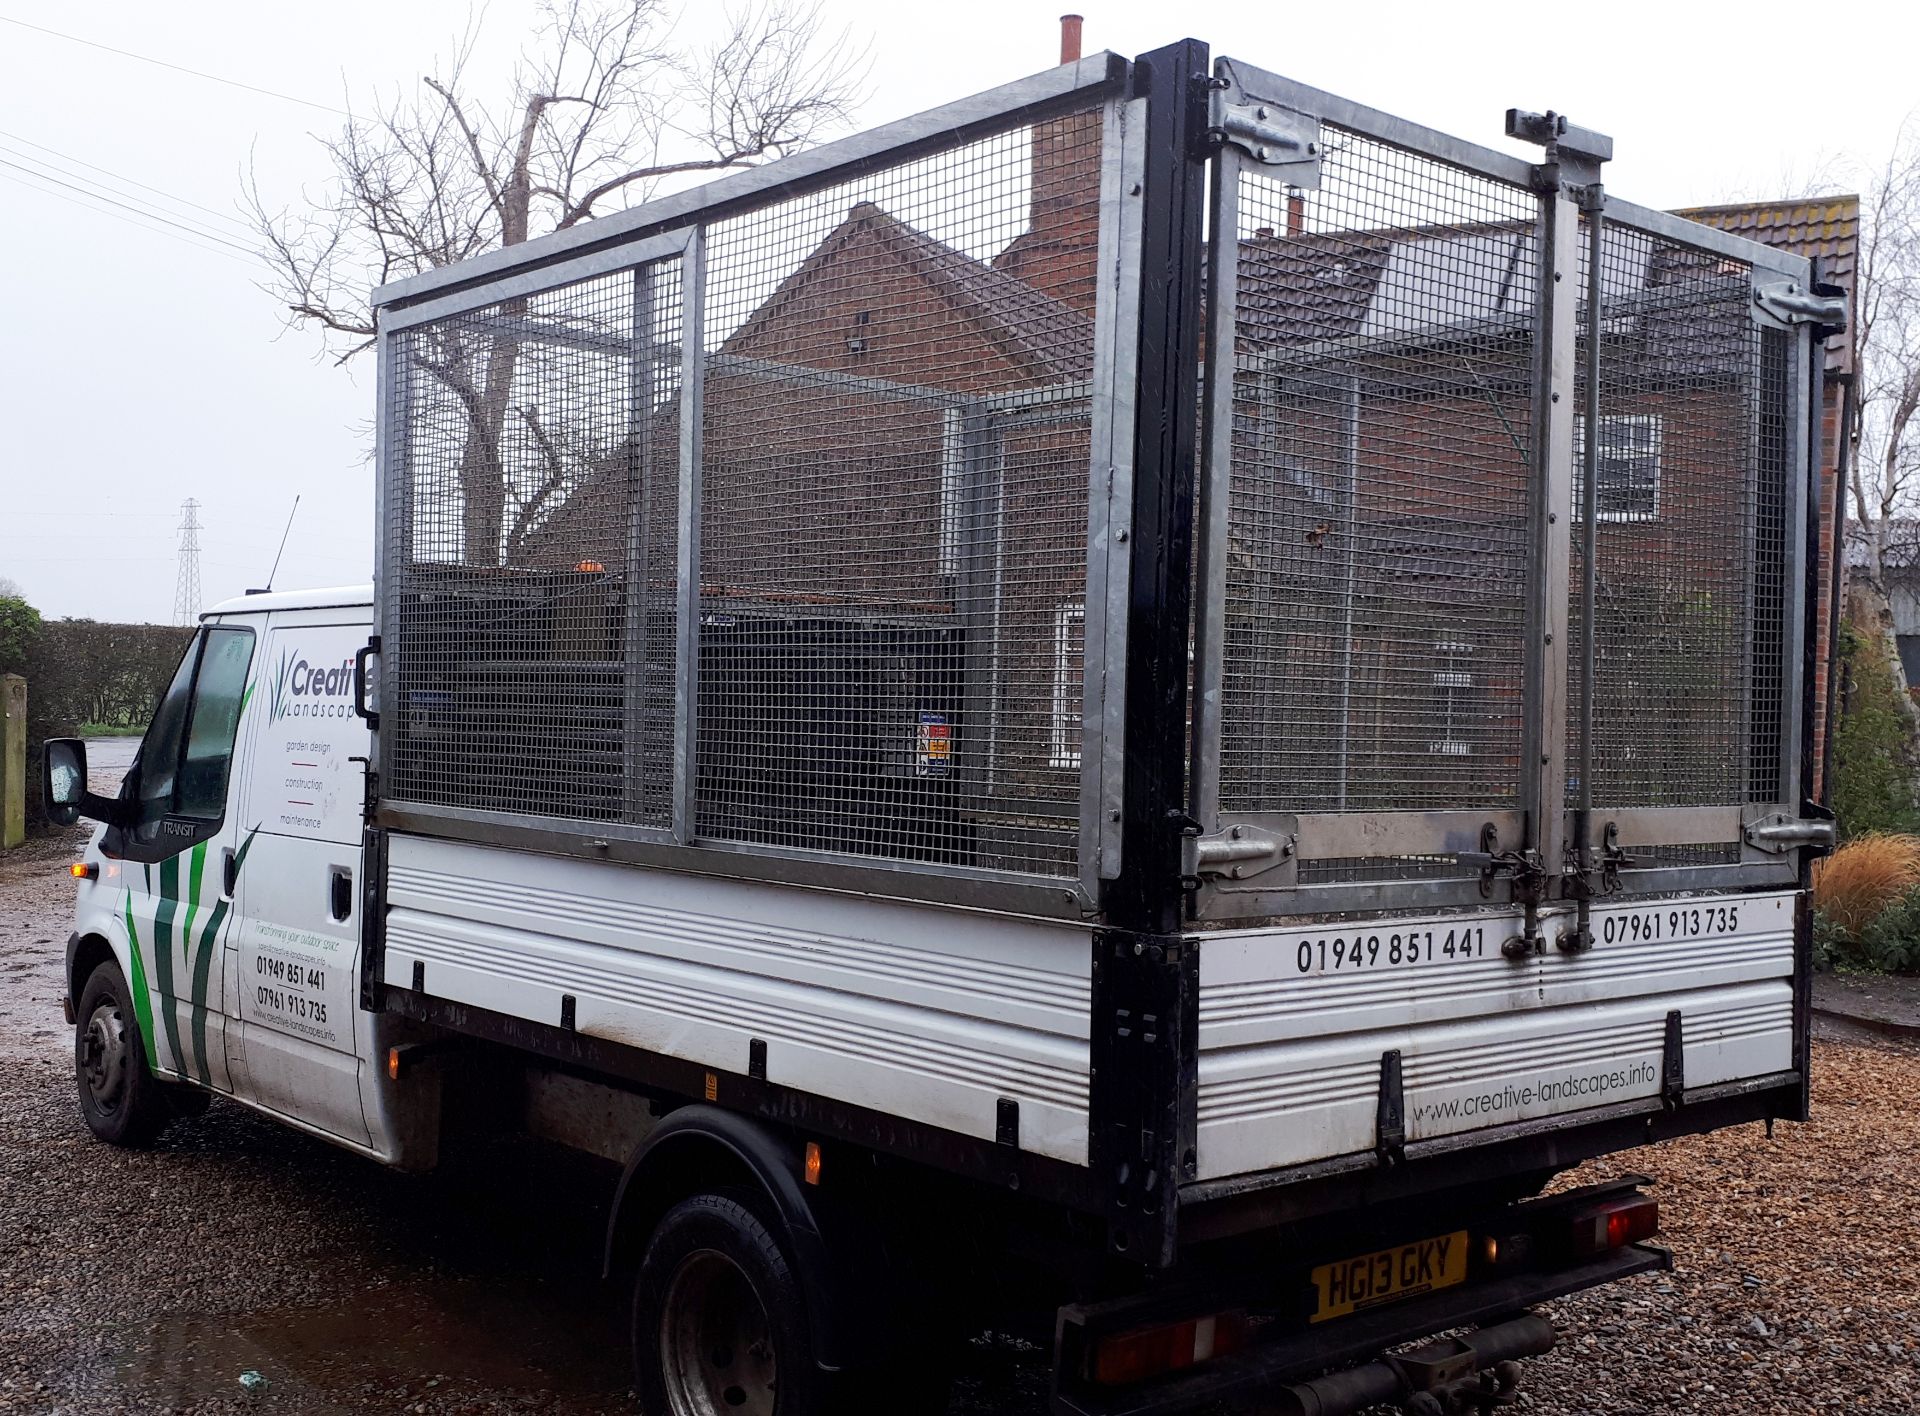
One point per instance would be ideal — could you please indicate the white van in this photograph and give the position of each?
(1007, 793)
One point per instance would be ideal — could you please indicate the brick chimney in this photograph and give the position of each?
(1059, 251)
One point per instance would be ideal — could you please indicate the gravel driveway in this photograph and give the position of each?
(151, 1282)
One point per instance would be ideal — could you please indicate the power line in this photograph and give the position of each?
(117, 176)
(131, 221)
(146, 212)
(178, 68)
(44, 171)
(140, 206)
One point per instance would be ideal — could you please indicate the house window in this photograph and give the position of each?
(1629, 484)
(1069, 683)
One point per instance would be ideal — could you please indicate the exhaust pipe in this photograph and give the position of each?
(1422, 1380)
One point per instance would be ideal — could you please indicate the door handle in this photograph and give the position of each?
(340, 893)
(229, 871)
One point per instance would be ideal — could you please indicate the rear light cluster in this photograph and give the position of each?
(1143, 1352)
(1613, 1224)
(1584, 1232)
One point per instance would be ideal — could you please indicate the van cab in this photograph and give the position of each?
(216, 937)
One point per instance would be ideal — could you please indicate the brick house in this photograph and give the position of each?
(868, 459)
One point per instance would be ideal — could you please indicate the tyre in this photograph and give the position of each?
(120, 1099)
(719, 1322)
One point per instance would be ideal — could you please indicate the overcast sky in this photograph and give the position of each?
(137, 371)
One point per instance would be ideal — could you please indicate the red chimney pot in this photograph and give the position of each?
(1069, 38)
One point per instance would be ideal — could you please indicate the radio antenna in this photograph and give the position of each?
(283, 542)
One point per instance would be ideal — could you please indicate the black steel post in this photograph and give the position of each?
(1147, 895)
(1145, 1016)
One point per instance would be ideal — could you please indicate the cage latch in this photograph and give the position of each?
(1578, 882)
(1236, 853)
(1522, 867)
(1283, 141)
(1779, 833)
(1788, 303)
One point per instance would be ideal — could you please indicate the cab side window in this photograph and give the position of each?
(218, 692)
(160, 751)
(188, 753)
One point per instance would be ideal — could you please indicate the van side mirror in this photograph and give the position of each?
(63, 779)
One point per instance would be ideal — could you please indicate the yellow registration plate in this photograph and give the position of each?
(1390, 1275)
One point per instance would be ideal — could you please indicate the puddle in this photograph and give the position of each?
(391, 1347)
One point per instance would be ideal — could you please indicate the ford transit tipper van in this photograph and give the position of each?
(1149, 698)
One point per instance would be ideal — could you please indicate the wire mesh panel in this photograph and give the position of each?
(1393, 639)
(1377, 538)
(536, 514)
(881, 475)
(1689, 530)
(893, 555)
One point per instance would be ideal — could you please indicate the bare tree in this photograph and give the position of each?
(1885, 477)
(605, 105)
(1883, 529)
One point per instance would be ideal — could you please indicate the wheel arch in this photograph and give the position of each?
(702, 1149)
(85, 953)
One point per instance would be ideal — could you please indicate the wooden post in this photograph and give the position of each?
(13, 761)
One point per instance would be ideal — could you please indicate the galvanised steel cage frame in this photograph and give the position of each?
(1544, 845)
(1156, 849)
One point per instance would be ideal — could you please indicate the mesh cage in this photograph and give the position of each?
(1690, 530)
(890, 436)
(1377, 550)
(1391, 688)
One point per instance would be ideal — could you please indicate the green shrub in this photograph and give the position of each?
(20, 629)
(1873, 752)
(1887, 943)
(80, 671)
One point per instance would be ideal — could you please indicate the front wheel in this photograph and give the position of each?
(120, 1099)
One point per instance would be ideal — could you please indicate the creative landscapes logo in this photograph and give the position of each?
(304, 690)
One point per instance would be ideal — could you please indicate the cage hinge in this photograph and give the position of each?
(1779, 832)
(1285, 142)
(1522, 867)
(1235, 853)
(1789, 303)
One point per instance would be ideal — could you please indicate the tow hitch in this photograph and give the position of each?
(1453, 1376)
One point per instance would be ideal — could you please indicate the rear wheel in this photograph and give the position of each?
(120, 1099)
(719, 1323)
(721, 1328)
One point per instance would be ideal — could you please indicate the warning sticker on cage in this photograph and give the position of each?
(936, 746)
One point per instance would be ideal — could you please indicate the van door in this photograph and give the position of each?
(179, 850)
(295, 948)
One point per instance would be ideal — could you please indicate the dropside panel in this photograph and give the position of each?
(1294, 1022)
(932, 1015)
